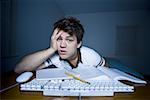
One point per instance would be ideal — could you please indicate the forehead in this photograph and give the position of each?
(65, 34)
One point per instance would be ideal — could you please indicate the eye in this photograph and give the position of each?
(59, 39)
(70, 40)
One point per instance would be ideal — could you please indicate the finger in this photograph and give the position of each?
(55, 32)
(58, 35)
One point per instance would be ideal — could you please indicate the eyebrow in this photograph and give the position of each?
(69, 36)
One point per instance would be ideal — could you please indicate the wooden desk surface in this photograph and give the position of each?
(141, 93)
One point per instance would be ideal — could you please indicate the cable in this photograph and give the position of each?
(9, 87)
(79, 97)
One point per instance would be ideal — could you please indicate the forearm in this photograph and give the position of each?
(31, 62)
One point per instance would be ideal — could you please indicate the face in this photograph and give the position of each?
(67, 46)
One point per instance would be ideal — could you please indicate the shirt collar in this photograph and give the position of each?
(79, 60)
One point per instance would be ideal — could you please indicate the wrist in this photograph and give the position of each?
(52, 50)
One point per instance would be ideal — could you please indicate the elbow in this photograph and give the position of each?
(17, 69)
(21, 68)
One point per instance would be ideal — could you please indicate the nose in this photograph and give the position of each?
(63, 44)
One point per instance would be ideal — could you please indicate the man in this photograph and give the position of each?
(66, 49)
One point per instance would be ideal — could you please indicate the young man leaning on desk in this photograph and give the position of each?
(65, 49)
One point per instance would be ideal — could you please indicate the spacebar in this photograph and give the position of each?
(77, 93)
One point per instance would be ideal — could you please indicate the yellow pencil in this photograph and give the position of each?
(77, 78)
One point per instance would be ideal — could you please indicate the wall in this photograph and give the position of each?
(101, 34)
(32, 22)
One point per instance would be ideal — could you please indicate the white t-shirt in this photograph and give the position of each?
(89, 57)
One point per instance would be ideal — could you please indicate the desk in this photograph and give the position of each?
(141, 93)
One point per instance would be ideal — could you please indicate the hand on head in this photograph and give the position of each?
(54, 38)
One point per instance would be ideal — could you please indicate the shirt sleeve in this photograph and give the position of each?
(91, 57)
(47, 62)
(102, 62)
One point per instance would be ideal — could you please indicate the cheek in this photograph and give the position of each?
(74, 45)
(57, 44)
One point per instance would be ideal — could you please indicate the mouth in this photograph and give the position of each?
(62, 52)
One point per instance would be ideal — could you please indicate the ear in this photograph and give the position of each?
(79, 44)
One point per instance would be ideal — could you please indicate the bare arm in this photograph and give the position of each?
(35, 60)
(32, 61)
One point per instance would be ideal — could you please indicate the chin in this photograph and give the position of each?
(63, 57)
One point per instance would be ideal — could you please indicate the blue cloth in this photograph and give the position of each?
(114, 63)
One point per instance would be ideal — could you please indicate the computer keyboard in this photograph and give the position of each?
(72, 87)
